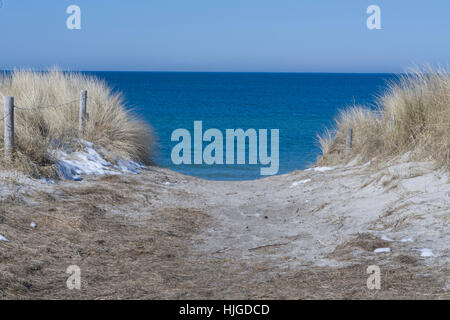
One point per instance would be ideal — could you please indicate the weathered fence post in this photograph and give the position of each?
(9, 127)
(82, 118)
(348, 145)
(390, 122)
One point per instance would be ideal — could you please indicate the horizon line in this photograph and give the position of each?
(193, 71)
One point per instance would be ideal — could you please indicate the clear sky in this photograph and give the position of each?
(225, 35)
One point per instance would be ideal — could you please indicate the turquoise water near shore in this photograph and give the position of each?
(300, 105)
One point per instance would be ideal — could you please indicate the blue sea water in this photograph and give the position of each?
(300, 105)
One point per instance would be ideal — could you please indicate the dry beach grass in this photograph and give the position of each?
(412, 116)
(46, 116)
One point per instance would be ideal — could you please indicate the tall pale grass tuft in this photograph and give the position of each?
(42, 127)
(412, 116)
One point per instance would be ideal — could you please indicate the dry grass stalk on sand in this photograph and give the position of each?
(38, 125)
(412, 116)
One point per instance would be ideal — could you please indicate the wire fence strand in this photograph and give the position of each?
(46, 107)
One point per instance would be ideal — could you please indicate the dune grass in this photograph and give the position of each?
(46, 116)
(413, 116)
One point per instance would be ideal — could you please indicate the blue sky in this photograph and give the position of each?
(225, 35)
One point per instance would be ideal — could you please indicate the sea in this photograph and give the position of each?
(300, 105)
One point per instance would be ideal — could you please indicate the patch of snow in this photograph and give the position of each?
(257, 215)
(47, 181)
(406, 240)
(72, 165)
(322, 169)
(129, 166)
(386, 238)
(426, 252)
(2, 238)
(300, 182)
(33, 224)
(380, 250)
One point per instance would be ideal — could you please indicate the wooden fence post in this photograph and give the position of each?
(82, 118)
(390, 122)
(9, 127)
(348, 145)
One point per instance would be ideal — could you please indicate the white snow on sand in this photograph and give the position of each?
(74, 164)
(33, 224)
(381, 250)
(2, 238)
(47, 181)
(300, 182)
(129, 166)
(386, 238)
(320, 169)
(426, 252)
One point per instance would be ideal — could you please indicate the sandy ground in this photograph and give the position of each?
(161, 235)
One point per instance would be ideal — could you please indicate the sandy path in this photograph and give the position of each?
(308, 234)
(301, 217)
